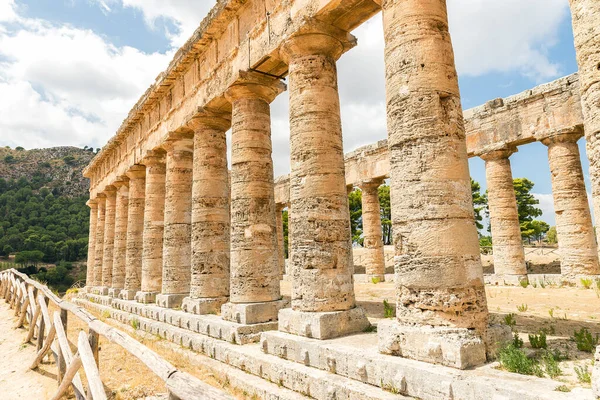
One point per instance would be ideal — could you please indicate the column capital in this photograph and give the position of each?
(179, 142)
(255, 85)
(121, 181)
(110, 191)
(280, 206)
(370, 184)
(561, 137)
(209, 119)
(498, 154)
(91, 203)
(136, 172)
(153, 157)
(317, 38)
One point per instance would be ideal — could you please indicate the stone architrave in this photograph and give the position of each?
(507, 244)
(577, 246)
(177, 235)
(135, 230)
(586, 31)
(120, 243)
(323, 302)
(99, 247)
(441, 309)
(91, 256)
(254, 272)
(109, 239)
(209, 285)
(374, 258)
(154, 215)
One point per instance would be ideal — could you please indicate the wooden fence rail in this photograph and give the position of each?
(30, 301)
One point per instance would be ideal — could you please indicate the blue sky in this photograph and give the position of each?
(70, 70)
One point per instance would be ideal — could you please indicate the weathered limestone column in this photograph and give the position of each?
(99, 247)
(507, 244)
(586, 30)
(254, 283)
(209, 286)
(109, 239)
(576, 241)
(288, 261)
(91, 256)
(135, 230)
(280, 245)
(441, 306)
(372, 233)
(177, 234)
(120, 247)
(154, 216)
(323, 303)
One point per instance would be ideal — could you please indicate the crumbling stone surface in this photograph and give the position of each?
(99, 247)
(373, 258)
(120, 241)
(135, 229)
(109, 236)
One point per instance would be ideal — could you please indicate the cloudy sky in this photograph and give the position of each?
(70, 70)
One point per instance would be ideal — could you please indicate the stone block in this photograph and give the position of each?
(146, 297)
(170, 300)
(127, 294)
(252, 313)
(323, 325)
(203, 306)
(453, 347)
(496, 337)
(114, 293)
(103, 291)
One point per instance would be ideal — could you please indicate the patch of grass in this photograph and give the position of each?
(583, 374)
(524, 283)
(586, 282)
(514, 360)
(388, 309)
(534, 284)
(542, 284)
(538, 341)
(72, 291)
(551, 365)
(563, 388)
(510, 320)
(135, 323)
(517, 341)
(522, 308)
(584, 340)
(105, 314)
(375, 280)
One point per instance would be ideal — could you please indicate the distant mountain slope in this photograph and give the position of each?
(59, 167)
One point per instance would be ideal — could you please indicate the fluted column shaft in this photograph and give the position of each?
(120, 246)
(135, 230)
(576, 241)
(154, 215)
(374, 259)
(507, 244)
(177, 222)
(280, 245)
(109, 238)
(91, 256)
(99, 247)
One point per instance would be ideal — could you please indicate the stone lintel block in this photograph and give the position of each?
(453, 347)
(170, 300)
(146, 297)
(252, 313)
(127, 294)
(114, 293)
(203, 306)
(323, 325)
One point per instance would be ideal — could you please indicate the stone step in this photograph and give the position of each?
(250, 358)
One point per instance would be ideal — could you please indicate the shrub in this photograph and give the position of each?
(522, 308)
(584, 340)
(538, 341)
(388, 310)
(517, 341)
(513, 359)
(524, 283)
(583, 374)
(375, 280)
(510, 320)
(551, 365)
(19, 148)
(586, 282)
(135, 324)
(9, 159)
(563, 388)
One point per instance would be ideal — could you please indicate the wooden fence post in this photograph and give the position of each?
(62, 365)
(94, 340)
(40, 336)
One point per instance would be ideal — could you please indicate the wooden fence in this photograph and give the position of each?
(30, 301)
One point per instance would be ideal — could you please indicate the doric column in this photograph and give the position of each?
(120, 247)
(177, 234)
(280, 245)
(576, 241)
(509, 255)
(91, 256)
(99, 247)
(323, 303)
(154, 216)
(586, 30)
(374, 259)
(135, 230)
(209, 286)
(287, 269)
(254, 282)
(441, 310)
(109, 239)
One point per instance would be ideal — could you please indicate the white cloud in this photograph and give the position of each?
(7, 12)
(547, 207)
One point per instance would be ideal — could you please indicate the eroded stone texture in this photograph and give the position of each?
(509, 255)
(120, 243)
(439, 277)
(255, 269)
(374, 260)
(576, 241)
(99, 247)
(135, 230)
(209, 286)
(586, 30)
(178, 218)
(91, 256)
(280, 240)
(109, 238)
(154, 214)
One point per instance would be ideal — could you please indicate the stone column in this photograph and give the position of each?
(374, 258)
(507, 244)
(120, 247)
(576, 241)
(99, 247)
(209, 286)
(109, 239)
(154, 216)
(91, 256)
(586, 30)
(177, 234)
(135, 230)
(323, 303)
(254, 282)
(289, 243)
(441, 309)
(280, 245)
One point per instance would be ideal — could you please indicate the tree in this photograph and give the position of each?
(526, 207)
(25, 257)
(355, 205)
(386, 213)
(551, 236)
(480, 202)
(534, 229)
